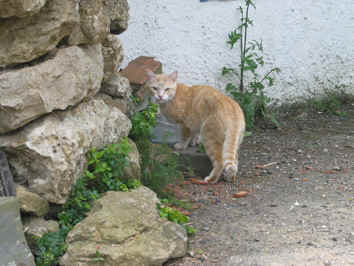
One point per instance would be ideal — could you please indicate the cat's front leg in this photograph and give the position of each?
(186, 139)
(196, 140)
(182, 145)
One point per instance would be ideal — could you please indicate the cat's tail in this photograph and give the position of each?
(233, 139)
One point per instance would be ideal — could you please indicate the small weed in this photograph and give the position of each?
(105, 169)
(172, 200)
(201, 148)
(98, 257)
(161, 168)
(331, 103)
(176, 216)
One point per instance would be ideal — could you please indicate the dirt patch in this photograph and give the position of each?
(300, 206)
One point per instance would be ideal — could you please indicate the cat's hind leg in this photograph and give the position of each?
(213, 143)
(233, 139)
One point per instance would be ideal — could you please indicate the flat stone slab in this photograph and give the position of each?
(165, 132)
(13, 246)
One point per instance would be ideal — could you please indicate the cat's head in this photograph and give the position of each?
(163, 87)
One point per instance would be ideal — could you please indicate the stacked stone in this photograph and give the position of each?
(55, 56)
(60, 96)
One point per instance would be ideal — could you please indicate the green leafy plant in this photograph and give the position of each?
(104, 172)
(251, 97)
(143, 123)
(175, 216)
(161, 168)
(159, 165)
(50, 247)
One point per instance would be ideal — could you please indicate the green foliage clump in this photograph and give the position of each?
(331, 102)
(104, 172)
(159, 165)
(251, 97)
(143, 123)
(51, 247)
(161, 169)
(175, 216)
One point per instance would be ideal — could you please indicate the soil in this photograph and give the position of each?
(300, 205)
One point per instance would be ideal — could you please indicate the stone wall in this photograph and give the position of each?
(55, 55)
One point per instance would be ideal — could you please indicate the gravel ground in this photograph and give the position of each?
(300, 206)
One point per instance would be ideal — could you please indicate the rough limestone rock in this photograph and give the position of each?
(94, 24)
(35, 227)
(31, 203)
(113, 56)
(50, 152)
(13, 247)
(126, 105)
(20, 8)
(73, 74)
(7, 185)
(25, 39)
(133, 171)
(125, 229)
(118, 12)
(117, 86)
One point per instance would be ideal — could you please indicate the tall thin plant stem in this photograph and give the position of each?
(241, 51)
(243, 44)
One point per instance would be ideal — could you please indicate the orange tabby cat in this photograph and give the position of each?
(205, 110)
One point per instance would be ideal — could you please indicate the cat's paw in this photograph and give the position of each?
(211, 179)
(180, 146)
(229, 172)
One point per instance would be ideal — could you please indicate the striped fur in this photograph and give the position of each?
(203, 110)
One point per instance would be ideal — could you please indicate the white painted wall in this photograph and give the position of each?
(311, 41)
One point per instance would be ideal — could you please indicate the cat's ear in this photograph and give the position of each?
(173, 76)
(151, 75)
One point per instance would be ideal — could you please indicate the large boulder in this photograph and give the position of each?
(50, 152)
(25, 39)
(118, 12)
(94, 24)
(113, 56)
(124, 228)
(73, 74)
(13, 246)
(20, 8)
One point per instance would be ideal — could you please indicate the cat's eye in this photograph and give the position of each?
(154, 88)
(167, 89)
